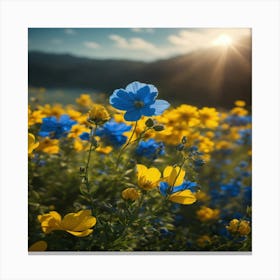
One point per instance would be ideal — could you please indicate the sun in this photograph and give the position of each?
(223, 40)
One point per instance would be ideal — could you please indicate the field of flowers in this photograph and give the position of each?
(137, 174)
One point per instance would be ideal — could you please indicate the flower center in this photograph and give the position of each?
(138, 104)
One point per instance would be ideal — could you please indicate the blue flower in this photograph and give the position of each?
(150, 149)
(111, 132)
(247, 195)
(84, 136)
(187, 185)
(238, 120)
(53, 128)
(231, 189)
(246, 137)
(138, 99)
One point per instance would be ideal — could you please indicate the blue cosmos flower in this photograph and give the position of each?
(231, 189)
(150, 149)
(138, 99)
(247, 195)
(111, 132)
(84, 136)
(238, 120)
(187, 185)
(246, 137)
(54, 128)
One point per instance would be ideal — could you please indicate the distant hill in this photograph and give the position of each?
(209, 77)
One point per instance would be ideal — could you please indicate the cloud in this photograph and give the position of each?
(187, 40)
(70, 31)
(56, 41)
(134, 44)
(143, 30)
(190, 40)
(91, 45)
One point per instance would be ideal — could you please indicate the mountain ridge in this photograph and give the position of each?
(209, 77)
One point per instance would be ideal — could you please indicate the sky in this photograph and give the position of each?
(142, 44)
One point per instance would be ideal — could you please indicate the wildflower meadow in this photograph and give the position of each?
(133, 172)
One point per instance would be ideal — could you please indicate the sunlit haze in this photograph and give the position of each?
(143, 44)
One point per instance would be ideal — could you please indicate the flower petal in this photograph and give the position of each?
(170, 174)
(80, 233)
(153, 174)
(183, 197)
(133, 115)
(72, 221)
(163, 187)
(38, 246)
(140, 169)
(134, 87)
(121, 100)
(56, 216)
(148, 111)
(144, 94)
(160, 106)
(86, 223)
(167, 170)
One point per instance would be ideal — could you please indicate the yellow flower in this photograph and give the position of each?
(131, 194)
(234, 133)
(183, 197)
(104, 150)
(174, 176)
(207, 214)
(98, 114)
(78, 224)
(35, 117)
(240, 227)
(239, 111)
(187, 115)
(209, 117)
(38, 246)
(84, 100)
(203, 241)
(202, 196)
(73, 114)
(205, 145)
(223, 145)
(54, 110)
(83, 119)
(225, 126)
(80, 145)
(77, 130)
(240, 103)
(210, 134)
(148, 178)
(31, 143)
(49, 146)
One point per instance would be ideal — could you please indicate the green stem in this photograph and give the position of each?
(86, 177)
(90, 149)
(125, 146)
(181, 166)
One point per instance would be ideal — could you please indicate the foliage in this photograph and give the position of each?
(153, 179)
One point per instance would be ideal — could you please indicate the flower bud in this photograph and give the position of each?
(130, 194)
(184, 140)
(149, 122)
(158, 127)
